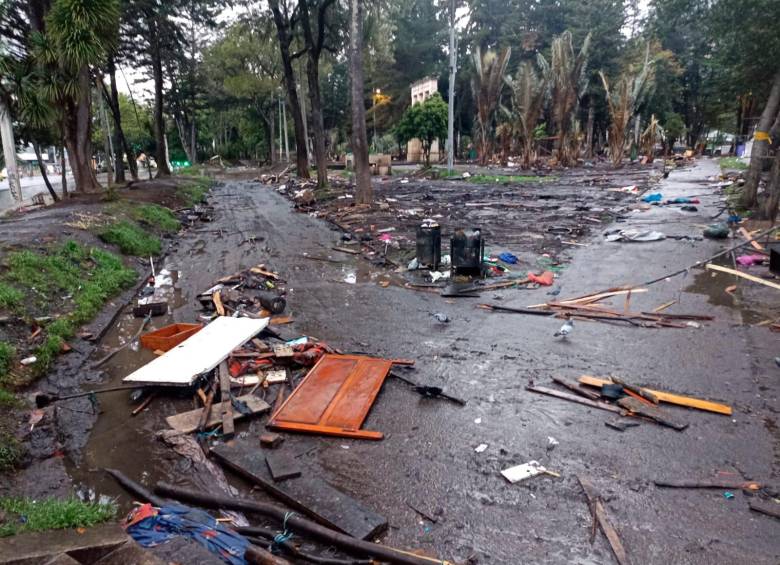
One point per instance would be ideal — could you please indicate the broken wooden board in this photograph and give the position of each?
(308, 494)
(199, 353)
(740, 274)
(186, 422)
(641, 408)
(574, 398)
(228, 426)
(710, 483)
(764, 507)
(668, 397)
(334, 398)
(600, 513)
(282, 466)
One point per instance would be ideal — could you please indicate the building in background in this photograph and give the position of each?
(421, 91)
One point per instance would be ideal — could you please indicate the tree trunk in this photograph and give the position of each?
(760, 146)
(9, 152)
(106, 133)
(314, 46)
(363, 188)
(193, 142)
(78, 136)
(63, 172)
(159, 118)
(589, 130)
(769, 209)
(283, 32)
(42, 167)
(122, 143)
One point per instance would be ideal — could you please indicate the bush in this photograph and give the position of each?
(158, 217)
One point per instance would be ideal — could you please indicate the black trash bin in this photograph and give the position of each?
(467, 250)
(429, 245)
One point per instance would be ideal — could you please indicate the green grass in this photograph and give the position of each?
(733, 163)
(130, 238)
(158, 217)
(9, 296)
(191, 171)
(494, 179)
(8, 399)
(194, 191)
(52, 514)
(11, 451)
(88, 276)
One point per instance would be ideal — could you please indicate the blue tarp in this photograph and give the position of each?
(151, 526)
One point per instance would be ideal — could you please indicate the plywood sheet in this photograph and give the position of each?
(308, 494)
(335, 397)
(188, 421)
(199, 353)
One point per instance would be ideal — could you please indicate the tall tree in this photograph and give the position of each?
(363, 189)
(760, 151)
(314, 43)
(285, 19)
(569, 80)
(529, 93)
(487, 84)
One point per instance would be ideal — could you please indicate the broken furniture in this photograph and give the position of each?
(186, 422)
(199, 353)
(168, 337)
(334, 398)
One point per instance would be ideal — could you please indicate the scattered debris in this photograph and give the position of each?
(599, 514)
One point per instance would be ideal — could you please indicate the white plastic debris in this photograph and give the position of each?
(466, 175)
(351, 278)
(522, 472)
(551, 443)
(29, 360)
(478, 421)
(481, 447)
(436, 275)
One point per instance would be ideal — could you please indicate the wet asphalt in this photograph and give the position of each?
(428, 458)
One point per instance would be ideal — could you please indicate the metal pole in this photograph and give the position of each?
(451, 101)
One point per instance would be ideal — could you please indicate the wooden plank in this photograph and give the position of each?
(710, 483)
(768, 508)
(199, 353)
(186, 422)
(640, 408)
(228, 426)
(668, 397)
(594, 501)
(575, 389)
(746, 276)
(334, 398)
(756, 245)
(574, 398)
(281, 466)
(217, 298)
(308, 494)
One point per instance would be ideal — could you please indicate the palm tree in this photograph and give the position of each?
(487, 84)
(569, 81)
(529, 93)
(622, 102)
(74, 35)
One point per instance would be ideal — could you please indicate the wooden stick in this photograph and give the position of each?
(756, 245)
(206, 413)
(572, 398)
(574, 388)
(228, 426)
(737, 273)
(668, 397)
(143, 404)
(768, 508)
(259, 556)
(664, 306)
(116, 350)
(601, 515)
(499, 308)
(714, 483)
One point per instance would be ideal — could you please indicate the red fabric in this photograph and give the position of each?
(545, 279)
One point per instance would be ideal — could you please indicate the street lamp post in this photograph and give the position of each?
(377, 94)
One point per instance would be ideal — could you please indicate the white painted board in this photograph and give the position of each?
(524, 471)
(199, 353)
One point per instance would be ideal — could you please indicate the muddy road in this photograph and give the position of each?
(428, 458)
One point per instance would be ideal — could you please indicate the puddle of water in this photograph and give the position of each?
(713, 286)
(118, 439)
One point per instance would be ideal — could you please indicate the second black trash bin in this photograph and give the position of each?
(467, 250)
